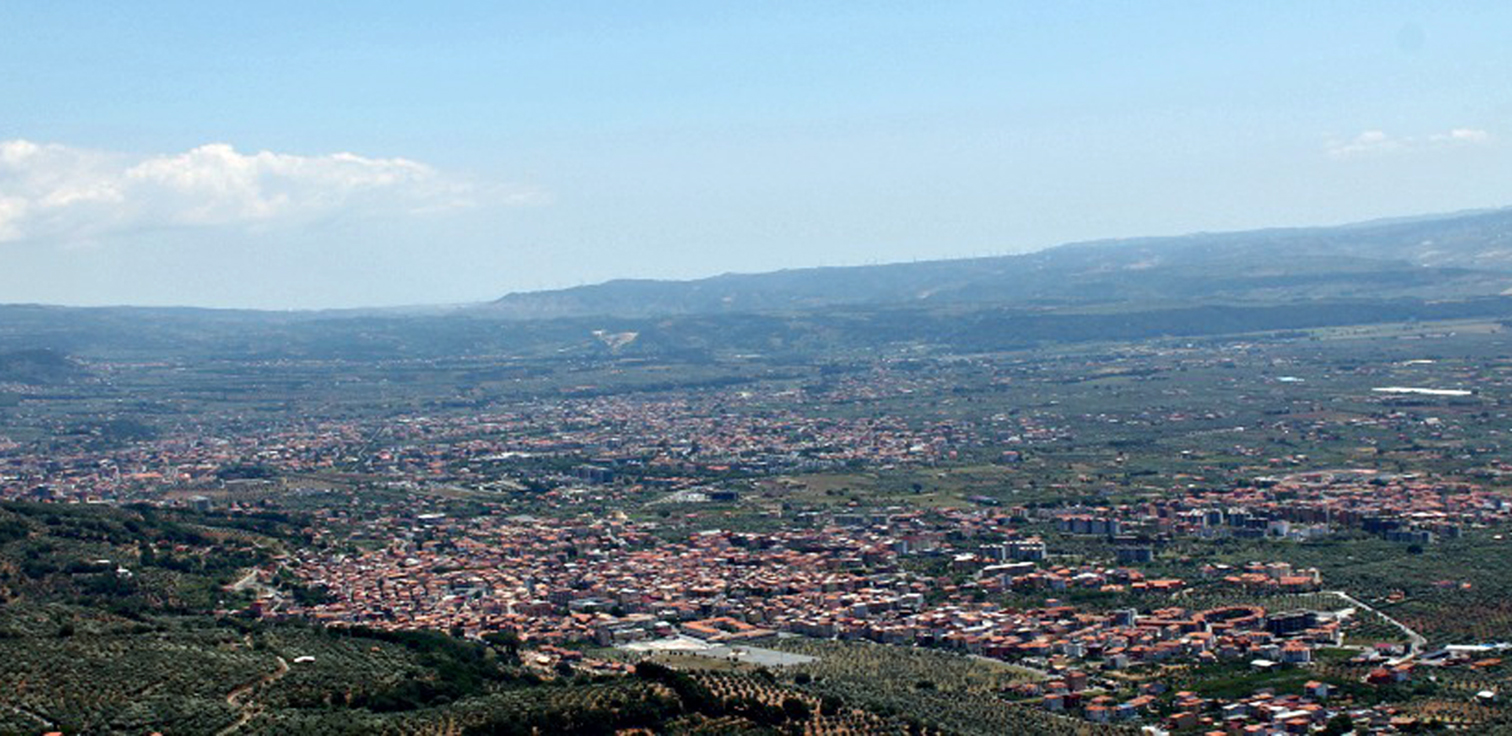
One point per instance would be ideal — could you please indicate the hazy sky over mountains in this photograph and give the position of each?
(311, 155)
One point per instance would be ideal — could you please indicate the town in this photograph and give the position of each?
(1116, 563)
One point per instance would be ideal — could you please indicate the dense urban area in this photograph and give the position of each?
(1284, 532)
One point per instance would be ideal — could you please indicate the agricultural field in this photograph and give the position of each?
(217, 562)
(953, 692)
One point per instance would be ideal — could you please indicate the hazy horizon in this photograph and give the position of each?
(438, 305)
(291, 157)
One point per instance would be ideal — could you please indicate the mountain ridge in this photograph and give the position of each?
(1466, 253)
(1415, 269)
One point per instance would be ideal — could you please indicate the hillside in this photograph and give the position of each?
(1446, 267)
(1461, 254)
(37, 367)
(108, 624)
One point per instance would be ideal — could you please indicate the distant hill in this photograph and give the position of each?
(37, 366)
(1430, 268)
(1458, 256)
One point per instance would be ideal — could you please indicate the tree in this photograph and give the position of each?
(509, 641)
(1338, 725)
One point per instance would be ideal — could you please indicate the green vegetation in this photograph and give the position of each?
(951, 692)
(120, 619)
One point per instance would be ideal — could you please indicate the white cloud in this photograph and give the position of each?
(1370, 141)
(1461, 135)
(57, 192)
(1375, 142)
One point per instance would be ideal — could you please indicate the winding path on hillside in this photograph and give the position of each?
(234, 697)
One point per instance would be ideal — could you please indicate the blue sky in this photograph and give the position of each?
(284, 155)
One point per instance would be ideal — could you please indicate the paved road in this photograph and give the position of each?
(1416, 642)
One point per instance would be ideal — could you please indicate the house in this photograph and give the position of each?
(1183, 720)
(1296, 652)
